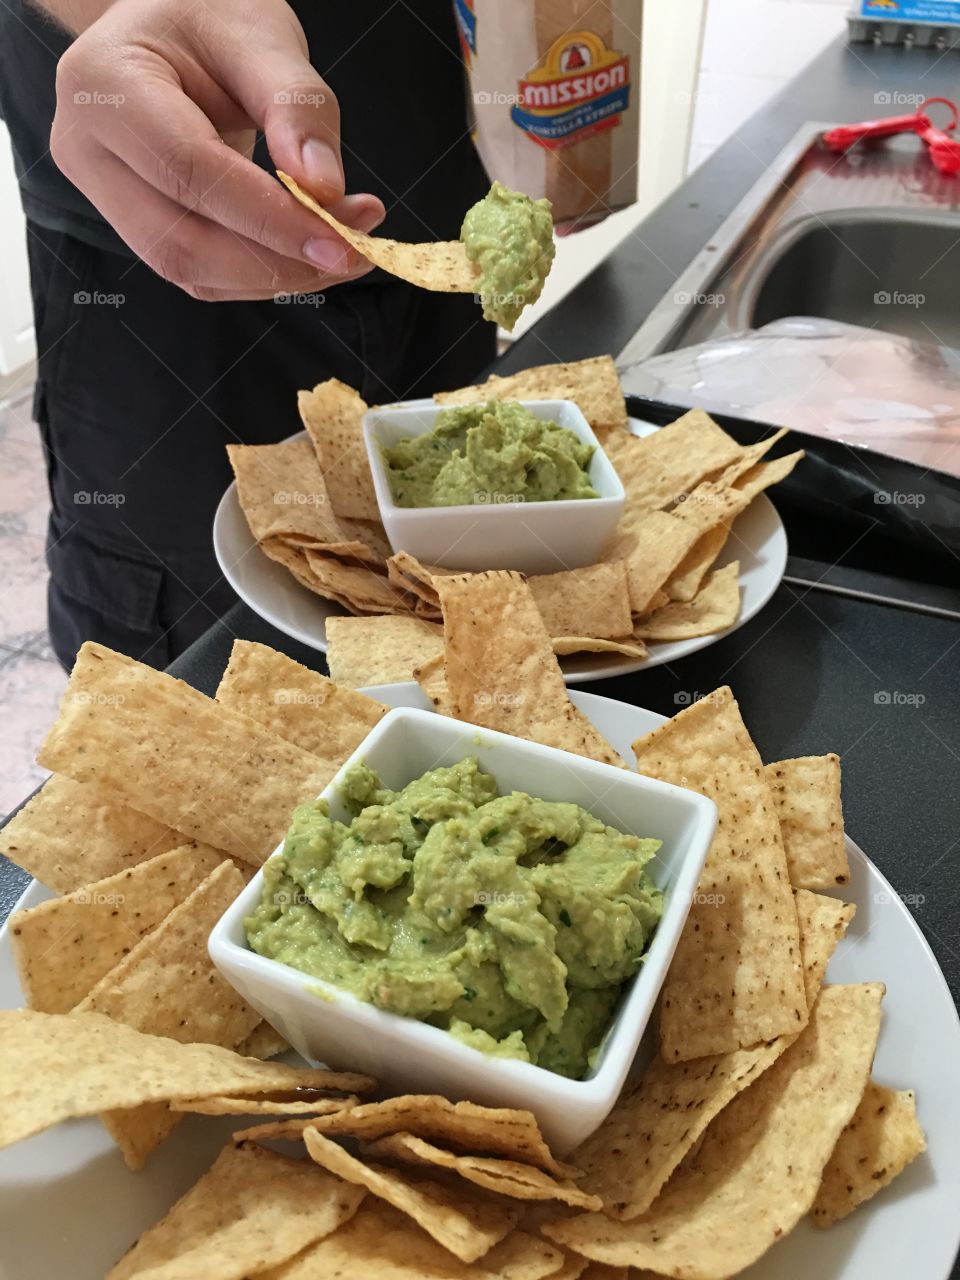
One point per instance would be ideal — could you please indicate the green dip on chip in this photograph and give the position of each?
(509, 237)
(510, 921)
(497, 452)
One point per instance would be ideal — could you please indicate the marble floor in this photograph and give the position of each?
(31, 680)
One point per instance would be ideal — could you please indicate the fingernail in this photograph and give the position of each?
(320, 167)
(328, 255)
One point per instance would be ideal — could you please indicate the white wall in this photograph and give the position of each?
(751, 48)
(16, 317)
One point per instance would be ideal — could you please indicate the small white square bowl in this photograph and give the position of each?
(534, 537)
(328, 1025)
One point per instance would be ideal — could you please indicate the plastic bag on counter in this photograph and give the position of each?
(860, 387)
(554, 87)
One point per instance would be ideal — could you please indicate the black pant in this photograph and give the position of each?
(141, 387)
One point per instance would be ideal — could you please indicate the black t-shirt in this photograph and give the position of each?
(396, 71)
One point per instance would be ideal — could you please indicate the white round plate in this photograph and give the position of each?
(758, 540)
(54, 1187)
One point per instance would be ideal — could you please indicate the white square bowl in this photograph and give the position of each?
(534, 537)
(328, 1025)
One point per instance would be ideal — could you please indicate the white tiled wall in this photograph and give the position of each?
(751, 48)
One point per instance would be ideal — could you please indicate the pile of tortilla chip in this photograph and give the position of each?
(757, 1109)
(162, 805)
(311, 506)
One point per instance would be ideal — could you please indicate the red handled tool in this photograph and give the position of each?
(944, 150)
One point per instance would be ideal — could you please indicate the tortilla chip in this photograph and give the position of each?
(823, 922)
(439, 265)
(294, 560)
(758, 1168)
(658, 469)
(264, 1042)
(586, 644)
(63, 947)
(382, 650)
(459, 1220)
(657, 543)
(750, 455)
(55, 1066)
(593, 385)
(167, 984)
(296, 703)
(882, 1138)
(283, 494)
(406, 571)
(652, 1128)
(252, 1209)
(332, 414)
(380, 1243)
(157, 744)
(806, 793)
(360, 586)
(501, 669)
(432, 679)
(219, 1105)
(736, 978)
(71, 834)
(497, 1131)
(765, 474)
(686, 579)
(508, 1177)
(715, 608)
(593, 601)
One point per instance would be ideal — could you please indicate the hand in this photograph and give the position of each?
(146, 96)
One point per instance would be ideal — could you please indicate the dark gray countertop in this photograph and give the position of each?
(812, 671)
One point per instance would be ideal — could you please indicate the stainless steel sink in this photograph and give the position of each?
(871, 238)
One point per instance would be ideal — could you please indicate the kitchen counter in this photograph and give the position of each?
(602, 313)
(813, 672)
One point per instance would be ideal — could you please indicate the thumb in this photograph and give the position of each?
(285, 97)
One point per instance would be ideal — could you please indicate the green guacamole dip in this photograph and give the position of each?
(511, 922)
(510, 238)
(483, 453)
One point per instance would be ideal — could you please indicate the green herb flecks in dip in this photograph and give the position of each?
(510, 921)
(509, 237)
(497, 452)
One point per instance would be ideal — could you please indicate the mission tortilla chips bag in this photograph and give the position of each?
(555, 89)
